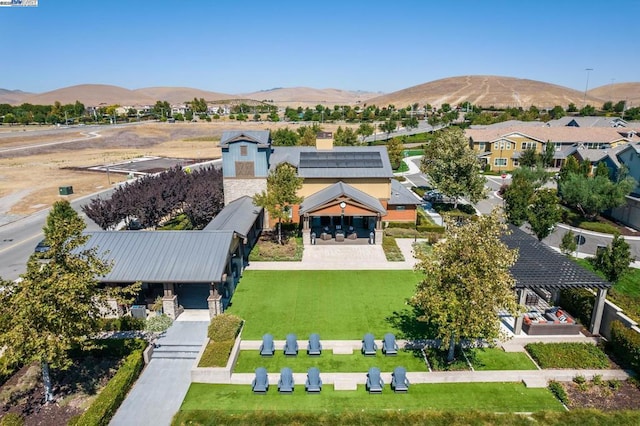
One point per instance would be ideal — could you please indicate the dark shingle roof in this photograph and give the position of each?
(238, 216)
(539, 266)
(163, 256)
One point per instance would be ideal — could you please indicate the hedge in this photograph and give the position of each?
(107, 402)
(559, 392)
(579, 303)
(568, 355)
(391, 249)
(126, 323)
(403, 225)
(216, 354)
(224, 327)
(625, 344)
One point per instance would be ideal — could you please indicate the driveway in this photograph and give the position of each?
(163, 384)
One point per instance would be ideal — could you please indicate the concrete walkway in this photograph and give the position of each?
(163, 384)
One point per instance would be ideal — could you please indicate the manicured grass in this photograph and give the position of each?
(568, 355)
(328, 362)
(497, 359)
(339, 305)
(493, 397)
(629, 284)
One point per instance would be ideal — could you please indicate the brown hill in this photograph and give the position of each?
(306, 96)
(12, 97)
(177, 95)
(91, 95)
(485, 91)
(629, 92)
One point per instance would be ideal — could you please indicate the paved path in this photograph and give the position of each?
(163, 384)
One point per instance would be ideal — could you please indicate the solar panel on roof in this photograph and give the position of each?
(340, 160)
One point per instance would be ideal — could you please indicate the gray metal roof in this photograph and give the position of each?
(163, 256)
(337, 190)
(322, 169)
(591, 121)
(401, 195)
(539, 266)
(238, 216)
(261, 137)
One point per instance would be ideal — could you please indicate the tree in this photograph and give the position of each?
(308, 136)
(395, 151)
(569, 244)
(546, 156)
(544, 212)
(57, 304)
(614, 260)
(365, 130)
(283, 184)
(345, 137)
(284, 137)
(453, 166)
(388, 127)
(529, 158)
(592, 195)
(466, 282)
(516, 199)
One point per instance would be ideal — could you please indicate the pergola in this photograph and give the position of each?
(540, 267)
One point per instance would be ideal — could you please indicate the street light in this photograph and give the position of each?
(342, 206)
(584, 100)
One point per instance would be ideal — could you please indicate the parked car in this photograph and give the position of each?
(42, 247)
(433, 196)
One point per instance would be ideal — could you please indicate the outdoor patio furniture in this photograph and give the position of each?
(389, 345)
(399, 381)
(291, 345)
(285, 384)
(314, 347)
(267, 348)
(260, 383)
(374, 381)
(325, 236)
(314, 382)
(339, 235)
(369, 346)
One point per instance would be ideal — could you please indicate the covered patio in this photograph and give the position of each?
(541, 273)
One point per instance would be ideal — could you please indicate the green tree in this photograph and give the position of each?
(466, 282)
(283, 185)
(546, 156)
(395, 151)
(592, 195)
(587, 110)
(529, 158)
(284, 137)
(572, 107)
(543, 213)
(161, 109)
(345, 137)
(453, 167)
(57, 303)
(614, 260)
(365, 130)
(557, 112)
(569, 243)
(9, 118)
(388, 126)
(516, 199)
(308, 136)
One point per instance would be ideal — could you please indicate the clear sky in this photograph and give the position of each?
(382, 46)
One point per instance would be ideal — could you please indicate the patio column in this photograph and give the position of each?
(170, 301)
(215, 299)
(517, 326)
(598, 309)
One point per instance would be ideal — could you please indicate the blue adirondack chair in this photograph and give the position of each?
(314, 382)
(314, 347)
(374, 381)
(389, 345)
(285, 384)
(291, 345)
(399, 381)
(267, 348)
(260, 383)
(369, 346)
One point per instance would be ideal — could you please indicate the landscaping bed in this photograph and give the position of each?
(569, 355)
(268, 250)
(603, 394)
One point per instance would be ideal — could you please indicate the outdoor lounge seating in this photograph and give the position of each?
(314, 382)
(374, 381)
(267, 348)
(291, 345)
(285, 384)
(399, 381)
(314, 347)
(260, 383)
(369, 346)
(389, 345)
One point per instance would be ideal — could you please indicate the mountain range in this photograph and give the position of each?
(486, 91)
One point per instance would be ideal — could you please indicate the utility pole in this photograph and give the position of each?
(584, 100)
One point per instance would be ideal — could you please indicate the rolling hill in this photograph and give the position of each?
(306, 96)
(629, 92)
(176, 95)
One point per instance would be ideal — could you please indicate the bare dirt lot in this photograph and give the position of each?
(35, 162)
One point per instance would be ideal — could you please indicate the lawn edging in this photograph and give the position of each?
(217, 375)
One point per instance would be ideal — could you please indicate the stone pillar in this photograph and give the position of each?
(379, 234)
(596, 316)
(214, 300)
(517, 326)
(170, 301)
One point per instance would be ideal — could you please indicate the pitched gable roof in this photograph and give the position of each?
(260, 137)
(334, 192)
(238, 216)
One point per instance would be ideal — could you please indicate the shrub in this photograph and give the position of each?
(604, 228)
(568, 355)
(433, 228)
(126, 323)
(158, 323)
(11, 419)
(625, 344)
(216, 354)
(558, 391)
(579, 303)
(224, 327)
(597, 380)
(614, 384)
(403, 225)
(108, 401)
(391, 249)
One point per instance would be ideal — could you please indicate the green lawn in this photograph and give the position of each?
(340, 305)
(497, 359)
(248, 361)
(493, 397)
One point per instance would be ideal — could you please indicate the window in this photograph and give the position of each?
(244, 169)
(400, 208)
(529, 145)
(503, 144)
(500, 162)
(243, 150)
(482, 146)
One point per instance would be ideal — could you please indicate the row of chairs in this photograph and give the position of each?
(314, 347)
(389, 345)
(313, 384)
(260, 383)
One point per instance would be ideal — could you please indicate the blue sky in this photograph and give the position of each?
(243, 46)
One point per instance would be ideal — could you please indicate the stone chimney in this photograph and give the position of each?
(324, 141)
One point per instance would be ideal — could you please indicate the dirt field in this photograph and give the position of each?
(30, 178)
